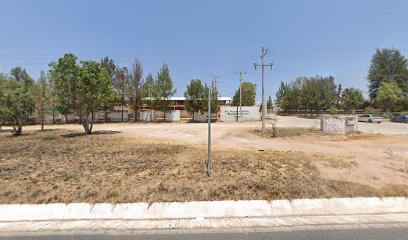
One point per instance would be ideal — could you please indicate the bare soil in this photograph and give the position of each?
(122, 163)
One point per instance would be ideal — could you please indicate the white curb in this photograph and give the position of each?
(201, 210)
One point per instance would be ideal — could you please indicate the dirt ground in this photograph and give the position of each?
(166, 162)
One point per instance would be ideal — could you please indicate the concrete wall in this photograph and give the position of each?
(338, 124)
(202, 116)
(146, 115)
(173, 116)
(229, 113)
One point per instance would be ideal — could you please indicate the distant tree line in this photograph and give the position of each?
(83, 88)
(388, 88)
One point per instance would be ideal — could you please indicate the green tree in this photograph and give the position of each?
(387, 65)
(3, 82)
(351, 99)
(21, 76)
(110, 67)
(389, 95)
(194, 96)
(16, 104)
(269, 103)
(164, 89)
(287, 97)
(150, 90)
(214, 99)
(83, 88)
(135, 88)
(248, 94)
(42, 96)
(121, 86)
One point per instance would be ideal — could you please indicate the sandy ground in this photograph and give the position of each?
(377, 157)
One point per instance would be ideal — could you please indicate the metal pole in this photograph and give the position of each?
(263, 92)
(209, 132)
(240, 96)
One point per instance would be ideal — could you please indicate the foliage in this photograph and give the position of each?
(110, 67)
(269, 103)
(214, 99)
(164, 89)
(288, 97)
(150, 90)
(16, 103)
(84, 88)
(21, 76)
(120, 86)
(351, 99)
(333, 110)
(248, 94)
(315, 93)
(387, 65)
(135, 89)
(194, 96)
(389, 95)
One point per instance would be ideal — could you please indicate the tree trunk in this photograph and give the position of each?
(17, 130)
(353, 111)
(106, 116)
(135, 112)
(42, 119)
(53, 115)
(85, 124)
(122, 112)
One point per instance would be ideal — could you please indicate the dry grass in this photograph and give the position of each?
(286, 132)
(64, 166)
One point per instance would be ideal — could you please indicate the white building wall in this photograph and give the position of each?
(249, 113)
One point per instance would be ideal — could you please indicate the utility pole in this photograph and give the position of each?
(241, 77)
(210, 88)
(264, 52)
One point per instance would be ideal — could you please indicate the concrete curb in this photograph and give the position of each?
(201, 210)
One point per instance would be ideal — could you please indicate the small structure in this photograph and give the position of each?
(339, 124)
(173, 116)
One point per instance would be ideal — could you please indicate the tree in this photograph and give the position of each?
(135, 88)
(351, 99)
(3, 81)
(288, 97)
(269, 103)
(150, 90)
(387, 65)
(83, 88)
(194, 96)
(164, 89)
(21, 76)
(389, 95)
(121, 86)
(42, 95)
(110, 67)
(248, 94)
(16, 104)
(214, 99)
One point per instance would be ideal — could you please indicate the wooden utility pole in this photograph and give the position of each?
(264, 52)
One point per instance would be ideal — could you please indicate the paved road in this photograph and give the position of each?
(328, 234)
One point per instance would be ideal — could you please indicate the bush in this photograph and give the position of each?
(371, 110)
(333, 110)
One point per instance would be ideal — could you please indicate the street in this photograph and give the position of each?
(392, 233)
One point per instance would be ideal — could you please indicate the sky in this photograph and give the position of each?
(201, 39)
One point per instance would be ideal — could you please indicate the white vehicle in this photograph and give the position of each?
(370, 119)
